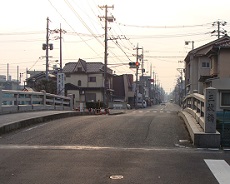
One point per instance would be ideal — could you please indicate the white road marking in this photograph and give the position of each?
(89, 148)
(220, 169)
(34, 127)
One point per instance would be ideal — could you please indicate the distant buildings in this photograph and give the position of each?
(9, 84)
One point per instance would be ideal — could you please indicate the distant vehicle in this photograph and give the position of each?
(142, 104)
(163, 103)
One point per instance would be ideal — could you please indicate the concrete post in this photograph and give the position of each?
(210, 110)
(71, 103)
(44, 98)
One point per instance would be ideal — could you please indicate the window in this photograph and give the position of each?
(225, 99)
(79, 83)
(79, 69)
(92, 79)
(205, 64)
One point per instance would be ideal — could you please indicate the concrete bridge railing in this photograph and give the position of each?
(12, 101)
(199, 114)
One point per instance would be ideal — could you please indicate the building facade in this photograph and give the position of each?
(86, 81)
(208, 66)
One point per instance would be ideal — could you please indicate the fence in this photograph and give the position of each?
(20, 101)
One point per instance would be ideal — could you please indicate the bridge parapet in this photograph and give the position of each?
(12, 101)
(199, 114)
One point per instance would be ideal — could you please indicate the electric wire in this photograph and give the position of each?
(165, 27)
(72, 27)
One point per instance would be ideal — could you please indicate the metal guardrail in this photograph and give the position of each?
(12, 101)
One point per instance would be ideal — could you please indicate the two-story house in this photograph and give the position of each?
(86, 81)
(208, 66)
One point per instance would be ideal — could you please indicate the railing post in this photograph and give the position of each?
(1, 98)
(210, 110)
(31, 99)
(62, 103)
(71, 101)
(44, 98)
(192, 103)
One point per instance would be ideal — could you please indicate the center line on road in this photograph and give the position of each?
(220, 169)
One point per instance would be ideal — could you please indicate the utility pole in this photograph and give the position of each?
(60, 31)
(60, 48)
(60, 75)
(137, 68)
(219, 31)
(47, 48)
(106, 19)
(180, 82)
(142, 63)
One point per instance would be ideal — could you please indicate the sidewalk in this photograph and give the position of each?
(14, 121)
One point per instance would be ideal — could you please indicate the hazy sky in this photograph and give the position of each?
(160, 27)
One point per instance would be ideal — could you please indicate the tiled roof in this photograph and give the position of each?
(204, 49)
(94, 67)
(69, 67)
(225, 43)
(89, 67)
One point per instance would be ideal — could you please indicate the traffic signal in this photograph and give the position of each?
(132, 65)
(43, 46)
(137, 64)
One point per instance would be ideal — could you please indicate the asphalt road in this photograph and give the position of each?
(142, 146)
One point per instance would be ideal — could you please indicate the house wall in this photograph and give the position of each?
(99, 95)
(119, 87)
(224, 63)
(214, 66)
(99, 80)
(221, 85)
(74, 78)
(202, 71)
(76, 97)
(193, 74)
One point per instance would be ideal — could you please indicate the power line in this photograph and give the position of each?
(82, 21)
(21, 33)
(72, 28)
(164, 27)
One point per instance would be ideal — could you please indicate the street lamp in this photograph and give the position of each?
(188, 42)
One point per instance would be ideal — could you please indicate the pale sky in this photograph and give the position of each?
(160, 27)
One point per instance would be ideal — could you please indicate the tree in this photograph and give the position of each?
(48, 85)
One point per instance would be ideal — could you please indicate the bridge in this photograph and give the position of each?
(194, 113)
(12, 101)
